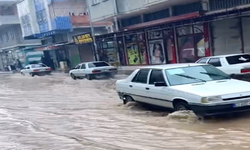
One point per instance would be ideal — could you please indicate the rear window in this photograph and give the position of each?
(38, 66)
(97, 64)
(238, 59)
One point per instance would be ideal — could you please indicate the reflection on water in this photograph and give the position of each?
(61, 114)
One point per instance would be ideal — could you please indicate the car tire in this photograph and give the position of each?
(127, 99)
(32, 74)
(181, 106)
(89, 76)
(73, 76)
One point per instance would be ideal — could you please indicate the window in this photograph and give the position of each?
(141, 76)
(194, 74)
(238, 59)
(97, 64)
(203, 60)
(215, 62)
(156, 76)
(78, 67)
(83, 66)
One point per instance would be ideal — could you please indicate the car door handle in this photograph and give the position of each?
(147, 88)
(131, 86)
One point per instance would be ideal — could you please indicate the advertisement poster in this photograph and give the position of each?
(133, 54)
(157, 52)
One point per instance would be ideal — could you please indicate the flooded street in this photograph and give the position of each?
(58, 113)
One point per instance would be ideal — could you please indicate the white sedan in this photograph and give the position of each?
(199, 87)
(91, 70)
(235, 65)
(36, 69)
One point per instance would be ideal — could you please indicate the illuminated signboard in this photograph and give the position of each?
(83, 38)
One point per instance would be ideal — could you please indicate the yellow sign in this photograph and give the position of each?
(84, 38)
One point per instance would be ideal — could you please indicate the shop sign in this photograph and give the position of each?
(83, 38)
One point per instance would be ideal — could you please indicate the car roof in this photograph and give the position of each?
(171, 66)
(228, 55)
(91, 62)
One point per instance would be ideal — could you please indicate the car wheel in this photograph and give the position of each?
(181, 106)
(127, 99)
(73, 76)
(89, 76)
(32, 75)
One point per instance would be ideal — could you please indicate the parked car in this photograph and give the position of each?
(93, 70)
(36, 69)
(235, 65)
(199, 87)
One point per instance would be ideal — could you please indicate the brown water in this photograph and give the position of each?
(57, 113)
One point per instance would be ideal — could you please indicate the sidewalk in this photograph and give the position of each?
(127, 69)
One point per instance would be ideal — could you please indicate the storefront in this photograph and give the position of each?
(191, 43)
(85, 45)
(107, 51)
(226, 36)
(136, 49)
(160, 45)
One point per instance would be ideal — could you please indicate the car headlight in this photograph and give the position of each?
(211, 99)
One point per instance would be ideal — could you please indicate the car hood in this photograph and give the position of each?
(215, 88)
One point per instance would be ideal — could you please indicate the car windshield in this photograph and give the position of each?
(38, 65)
(194, 74)
(97, 64)
(238, 59)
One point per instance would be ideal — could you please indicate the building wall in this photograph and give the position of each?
(11, 36)
(101, 11)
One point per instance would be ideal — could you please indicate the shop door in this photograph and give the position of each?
(226, 37)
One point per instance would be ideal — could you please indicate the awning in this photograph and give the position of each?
(163, 21)
(53, 46)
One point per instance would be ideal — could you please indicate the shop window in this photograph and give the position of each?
(157, 52)
(156, 15)
(187, 8)
(186, 49)
(136, 49)
(215, 62)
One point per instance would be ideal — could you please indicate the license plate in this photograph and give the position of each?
(242, 104)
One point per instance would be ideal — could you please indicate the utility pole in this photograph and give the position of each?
(92, 30)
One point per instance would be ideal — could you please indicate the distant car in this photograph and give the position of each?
(235, 65)
(36, 69)
(93, 70)
(199, 87)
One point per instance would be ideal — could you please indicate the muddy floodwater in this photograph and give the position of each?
(57, 113)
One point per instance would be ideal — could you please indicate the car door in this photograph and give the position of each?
(76, 71)
(158, 95)
(137, 87)
(82, 70)
(27, 70)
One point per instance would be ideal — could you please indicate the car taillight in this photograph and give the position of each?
(35, 70)
(48, 69)
(96, 71)
(245, 70)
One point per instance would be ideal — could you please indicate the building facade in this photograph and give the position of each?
(172, 31)
(11, 41)
(55, 22)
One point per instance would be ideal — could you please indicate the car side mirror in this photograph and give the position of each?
(159, 84)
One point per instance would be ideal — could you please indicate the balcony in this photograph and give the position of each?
(8, 2)
(9, 20)
(83, 21)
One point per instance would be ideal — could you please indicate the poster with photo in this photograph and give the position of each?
(157, 52)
